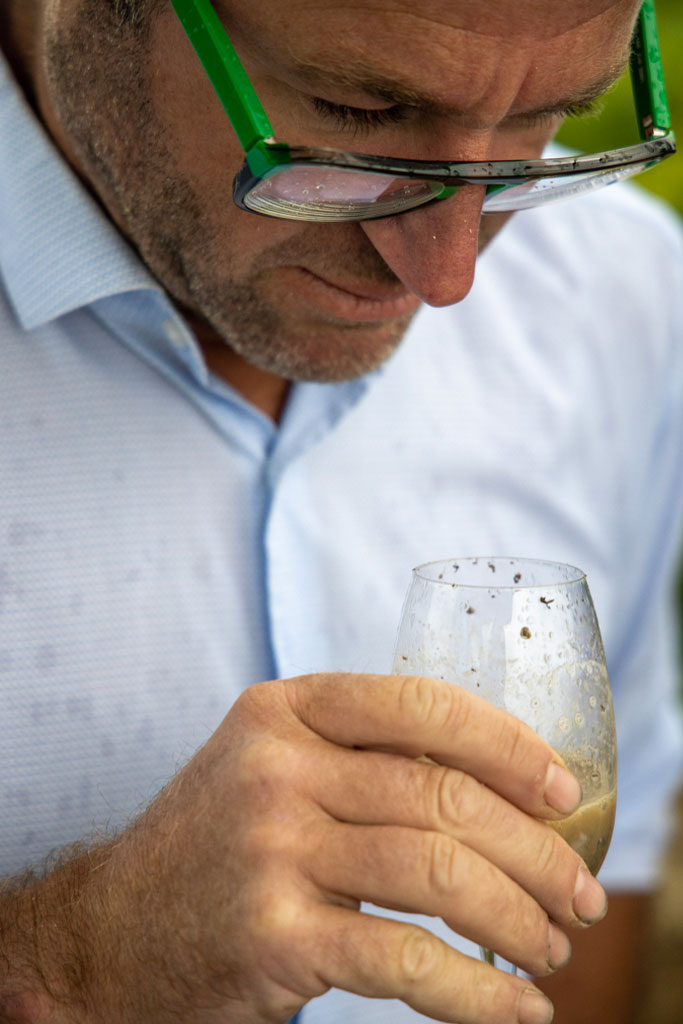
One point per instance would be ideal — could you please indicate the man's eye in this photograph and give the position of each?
(358, 117)
(588, 109)
(591, 108)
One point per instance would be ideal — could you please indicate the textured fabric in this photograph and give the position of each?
(163, 545)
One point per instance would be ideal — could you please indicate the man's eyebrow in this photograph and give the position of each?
(331, 74)
(585, 96)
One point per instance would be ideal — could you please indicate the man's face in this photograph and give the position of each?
(474, 80)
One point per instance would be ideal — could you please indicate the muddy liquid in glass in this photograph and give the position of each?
(589, 829)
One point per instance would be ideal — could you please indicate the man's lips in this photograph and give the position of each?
(362, 302)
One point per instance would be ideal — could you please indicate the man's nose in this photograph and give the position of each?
(433, 249)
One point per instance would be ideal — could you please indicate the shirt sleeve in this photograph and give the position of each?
(645, 661)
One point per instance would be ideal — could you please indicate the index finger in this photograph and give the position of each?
(418, 716)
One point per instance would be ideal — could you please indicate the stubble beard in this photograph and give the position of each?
(97, 76)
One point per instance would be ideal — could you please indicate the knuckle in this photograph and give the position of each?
(270, 779)
(523, 753)
(511, 741)
(492, 997)
(528, 923)
(300, 693)
(265, 767)
(426, 702)
(275, 924)
(418, 958)
(524, 922)
(254, 701)
(443, 863)
(549, 855)
(460, 800)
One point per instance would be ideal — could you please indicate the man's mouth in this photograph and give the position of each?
(359, 301)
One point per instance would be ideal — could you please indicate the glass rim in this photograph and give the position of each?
(575, 575)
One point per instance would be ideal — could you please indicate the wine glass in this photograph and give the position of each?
(523, 634)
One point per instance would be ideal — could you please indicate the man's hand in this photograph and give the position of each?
(235, 897)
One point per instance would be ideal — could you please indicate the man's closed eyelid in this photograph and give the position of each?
(359, 117)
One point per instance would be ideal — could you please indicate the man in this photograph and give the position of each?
(181, 520)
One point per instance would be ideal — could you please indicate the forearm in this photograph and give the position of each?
(109, 936)
(51, 932)
(80, 945)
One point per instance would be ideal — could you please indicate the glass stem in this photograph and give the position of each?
(489, 957)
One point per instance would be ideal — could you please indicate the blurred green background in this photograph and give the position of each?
(616, 125)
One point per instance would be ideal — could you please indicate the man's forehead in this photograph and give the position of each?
(433, 50)
(525, 19)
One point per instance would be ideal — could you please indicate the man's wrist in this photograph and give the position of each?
(48, 943)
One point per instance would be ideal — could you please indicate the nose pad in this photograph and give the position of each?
(433, 249)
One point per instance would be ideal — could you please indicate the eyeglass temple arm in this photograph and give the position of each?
(647, 76)
(225, 72)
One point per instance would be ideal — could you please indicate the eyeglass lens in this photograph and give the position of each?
(541, 191)
(327, 193)
(315, 192)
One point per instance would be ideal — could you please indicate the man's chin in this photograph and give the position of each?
(324, 352)
(295, 346)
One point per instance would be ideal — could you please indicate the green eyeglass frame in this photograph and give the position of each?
(265, 157)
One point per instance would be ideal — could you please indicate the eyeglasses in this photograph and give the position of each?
(316, 184)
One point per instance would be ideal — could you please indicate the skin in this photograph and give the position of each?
(288, 298)
(253, 912)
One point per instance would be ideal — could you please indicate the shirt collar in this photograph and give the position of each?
(58, 250)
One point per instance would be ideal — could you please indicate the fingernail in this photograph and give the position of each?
(559, 948)
(562, 791)
(590, 899)
(534, 1008)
